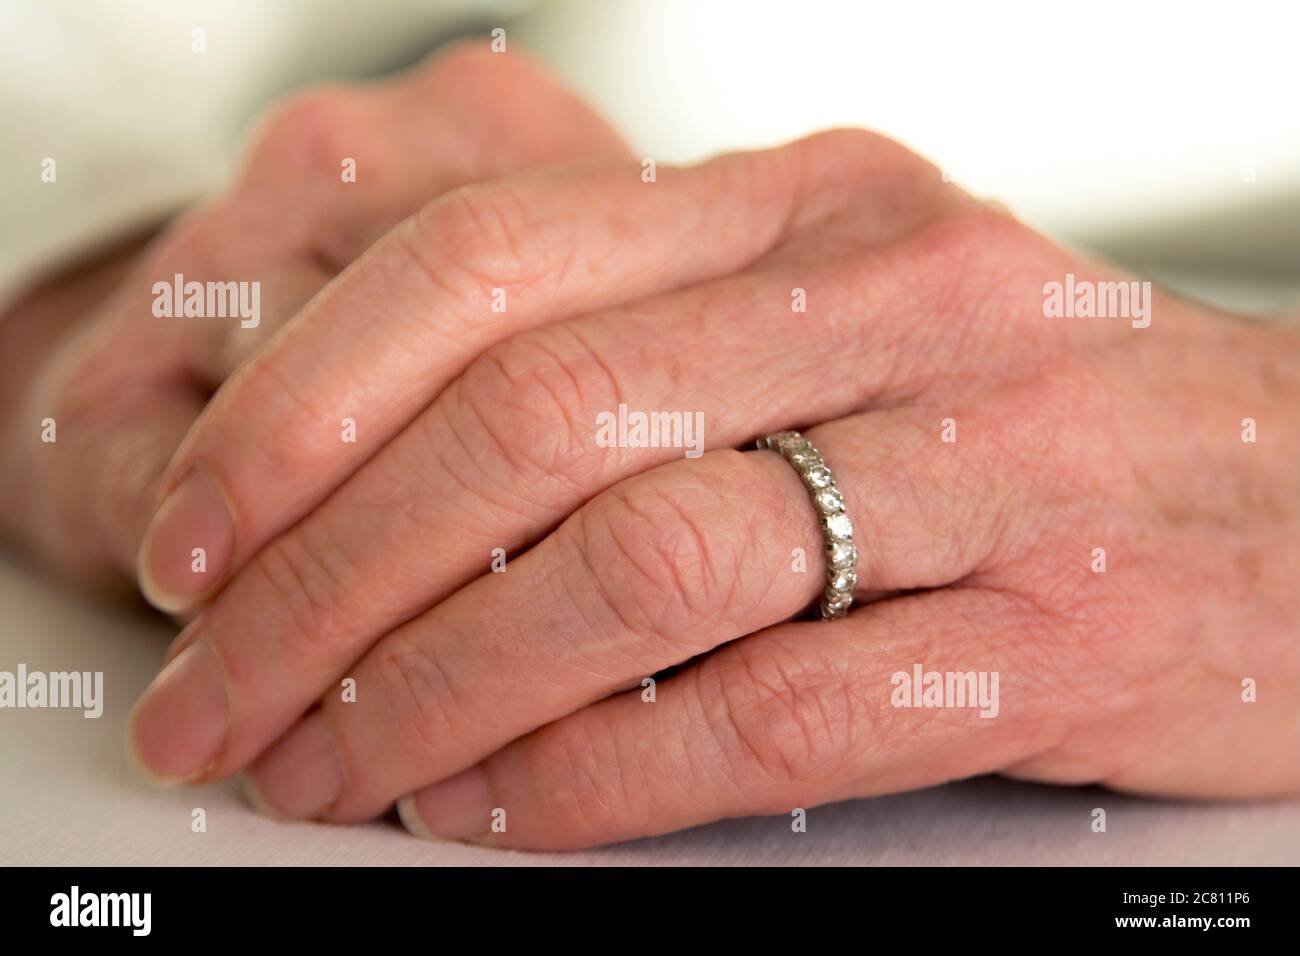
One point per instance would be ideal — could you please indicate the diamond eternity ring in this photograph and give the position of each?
(837, 528)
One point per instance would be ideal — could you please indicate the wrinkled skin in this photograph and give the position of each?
(522, 691)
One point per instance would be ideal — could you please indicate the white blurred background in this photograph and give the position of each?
(1164, 135)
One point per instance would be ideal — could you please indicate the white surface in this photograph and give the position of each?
(68, 795)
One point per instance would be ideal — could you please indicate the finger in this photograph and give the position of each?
(335, 168)
(97, 479)
(513, 446)
(276, 441)
(504, 479)
(122, 397)
(468, 115)
(292, 221)
(125, 432)
(73, 420)
(799, 715)
(664, 567)
(497, 426)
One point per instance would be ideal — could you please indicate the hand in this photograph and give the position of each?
(985, 451)
(122, 385)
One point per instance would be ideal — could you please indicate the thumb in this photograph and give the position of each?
(96, 456)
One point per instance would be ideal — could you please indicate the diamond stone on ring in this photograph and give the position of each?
(837, 528)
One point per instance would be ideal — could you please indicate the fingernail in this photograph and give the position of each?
(178, 726)
(188, 635)
(188, 544)
(255, 798)
(410, 818)
(300, 776)
(458, 808)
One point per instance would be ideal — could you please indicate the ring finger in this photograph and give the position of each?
(663, 567)
(505, 454)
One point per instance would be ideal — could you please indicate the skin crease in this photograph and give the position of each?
(125, 390)
(924, 305)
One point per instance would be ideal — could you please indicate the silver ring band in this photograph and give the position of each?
(837, 528)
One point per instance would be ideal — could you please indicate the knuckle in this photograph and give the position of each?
(417, 694)
(502, 91)
(861, 158)
(92, 406)
(311, 131)
(130, 478)
(861, 146)
(976, 266)
(861, 177)
(304, 580)
(592, 792)
(463, 62)
(477, 232)
(667, 553)
(789, 716)
(526, 401)
(977, 234)
(264, 393)
(80, 380)
(208, 238)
